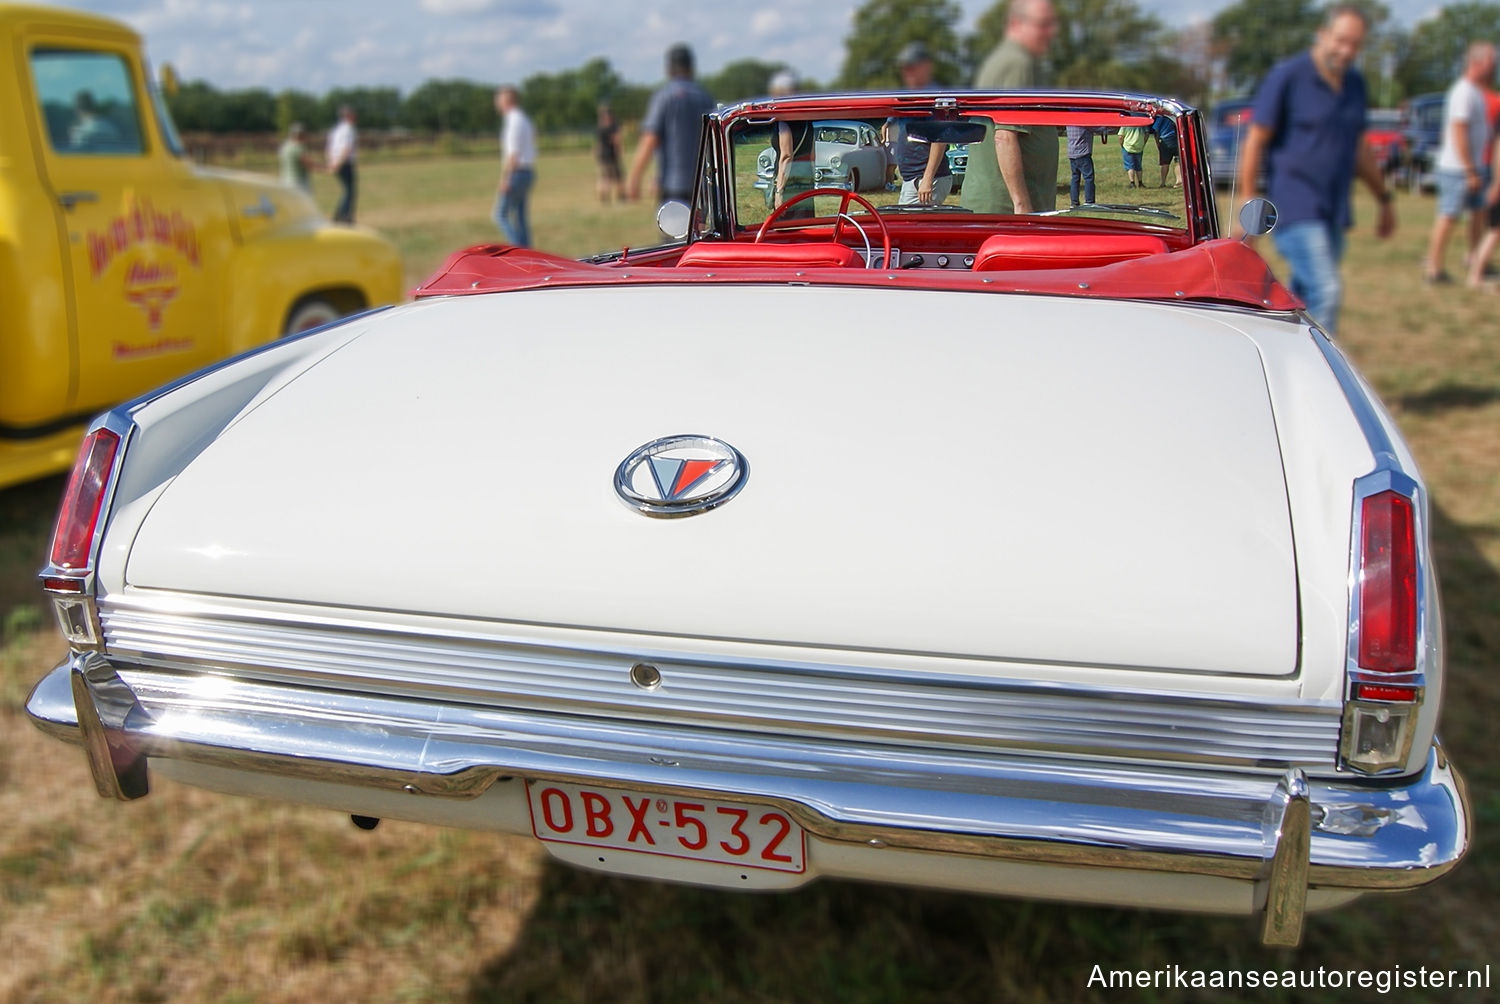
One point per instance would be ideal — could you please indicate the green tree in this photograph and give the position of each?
(570, 99)
(882, 27)
(249, 110)
(456, 106)
(298, 106)
(1436, 51)
(744, 78)
(1107, 45)
(1257, 34)
(376, 107)
(196, 107)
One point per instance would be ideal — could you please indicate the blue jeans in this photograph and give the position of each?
(1083, 167)
(344, 211)
(510, 210)
(1313, 249)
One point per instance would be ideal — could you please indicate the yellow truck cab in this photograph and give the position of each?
(122, 264)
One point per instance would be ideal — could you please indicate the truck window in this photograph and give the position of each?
(87, 102)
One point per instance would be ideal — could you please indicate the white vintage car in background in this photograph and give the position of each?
(845, 155)
(1056, 556)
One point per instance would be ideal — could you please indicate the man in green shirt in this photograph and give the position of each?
(1014, 168)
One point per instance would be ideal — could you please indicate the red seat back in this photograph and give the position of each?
(725, 254)
(1013, 252)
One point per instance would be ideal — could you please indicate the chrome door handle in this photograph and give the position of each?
(71, 199)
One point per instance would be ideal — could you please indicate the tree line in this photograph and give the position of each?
(568, 99)
(1104, 44)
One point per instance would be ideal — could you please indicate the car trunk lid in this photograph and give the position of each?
(1019, 478)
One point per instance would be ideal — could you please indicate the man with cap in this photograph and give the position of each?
(925, 178)
(671, 130)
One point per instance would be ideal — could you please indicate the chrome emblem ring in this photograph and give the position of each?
(681, 476)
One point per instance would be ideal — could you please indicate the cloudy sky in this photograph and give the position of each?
(317, 44)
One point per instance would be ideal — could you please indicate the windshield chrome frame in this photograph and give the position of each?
(1201, 209)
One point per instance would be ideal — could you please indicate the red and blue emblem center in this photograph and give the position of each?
(676, 477)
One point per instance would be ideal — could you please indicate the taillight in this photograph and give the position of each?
(1387, 584)
(73, 535)
(1385, 686)
(69, 578)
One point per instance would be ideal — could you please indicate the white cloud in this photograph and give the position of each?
(559, 29)
(766, 22)
(450, 7)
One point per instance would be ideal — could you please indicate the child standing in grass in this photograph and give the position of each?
(1132, 142)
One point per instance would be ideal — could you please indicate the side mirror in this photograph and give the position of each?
(673, 219)
(167, 79)
(1258, 217)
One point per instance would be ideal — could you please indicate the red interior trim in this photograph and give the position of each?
(717, 254)
(1223, 271)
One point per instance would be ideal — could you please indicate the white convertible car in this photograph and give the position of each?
(1055, 556)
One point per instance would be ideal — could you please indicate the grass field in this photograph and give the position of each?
(191, 896)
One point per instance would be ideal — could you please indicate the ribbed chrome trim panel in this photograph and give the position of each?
(356, 652)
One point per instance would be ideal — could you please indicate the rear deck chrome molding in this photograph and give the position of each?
(449, 661)
(1231, 825)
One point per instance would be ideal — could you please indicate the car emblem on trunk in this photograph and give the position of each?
(681, 476)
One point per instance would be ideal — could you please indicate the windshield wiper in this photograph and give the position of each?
(917, 207)
(1110, 207)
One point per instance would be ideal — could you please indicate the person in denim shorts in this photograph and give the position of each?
(1132, 145)
(1461, 174)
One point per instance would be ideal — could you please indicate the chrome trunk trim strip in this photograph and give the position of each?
(362, 651)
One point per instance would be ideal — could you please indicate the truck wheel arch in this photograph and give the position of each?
(319, 307)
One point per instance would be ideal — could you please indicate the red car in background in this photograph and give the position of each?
(1386, 134)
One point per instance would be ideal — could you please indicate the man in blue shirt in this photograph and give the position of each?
(671, 130)
(1307, 125)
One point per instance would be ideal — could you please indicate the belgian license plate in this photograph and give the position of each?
(699, 829)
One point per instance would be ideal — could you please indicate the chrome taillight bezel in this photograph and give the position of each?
(1361, 709)
(74, 590)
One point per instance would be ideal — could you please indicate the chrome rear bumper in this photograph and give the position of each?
(1285, 835)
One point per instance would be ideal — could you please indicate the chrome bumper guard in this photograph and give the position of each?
(1284, 834)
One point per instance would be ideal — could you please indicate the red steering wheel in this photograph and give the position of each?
(845, 197)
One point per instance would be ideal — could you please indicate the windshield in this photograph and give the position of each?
(1074, 166)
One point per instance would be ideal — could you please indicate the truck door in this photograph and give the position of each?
(145, 240)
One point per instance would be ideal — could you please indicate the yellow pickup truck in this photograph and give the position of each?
(122, 264)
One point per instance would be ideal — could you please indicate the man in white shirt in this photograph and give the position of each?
(342, 141)
(1460, 161)
(517, 167)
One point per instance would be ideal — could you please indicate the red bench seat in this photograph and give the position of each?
(726, 254)
(1018, 252)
